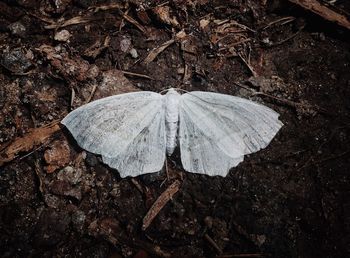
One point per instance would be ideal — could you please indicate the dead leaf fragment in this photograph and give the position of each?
(203, 23)
(156, 51)
(27, 142)
(134, 22)
(69, 22)
(163, 13)
(97, 48)
(143, 16)
(57, 156)
(160, 203)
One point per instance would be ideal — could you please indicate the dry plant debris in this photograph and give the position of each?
(27, 142)
(286, 201)
(163, 13)
(57, 155)
(96, 49)
(160, 203)
(69, 67)
(156, 51)
(325, 12)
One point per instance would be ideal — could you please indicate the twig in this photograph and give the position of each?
(331, 157)
(286, 39)
(137, 184)
(323, 11)
(284, 101)
(243, 26)
(137, 75)
(92, 93)
(133, 22)
(212, 242)
(160, 203)
(38, 171)
(309, 162)
(72, 97)
(251, 69)
(284, 20)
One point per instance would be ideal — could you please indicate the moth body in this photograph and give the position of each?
(172, 99)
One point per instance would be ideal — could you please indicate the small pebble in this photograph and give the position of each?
(15, 61)
(17, 29)
(125, 45)
(134, 53)
(62, 35)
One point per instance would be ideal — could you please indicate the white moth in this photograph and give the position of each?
(133, 132)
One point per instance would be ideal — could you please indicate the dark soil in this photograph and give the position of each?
(288, 200)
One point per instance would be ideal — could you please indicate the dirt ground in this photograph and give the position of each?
(288, 200)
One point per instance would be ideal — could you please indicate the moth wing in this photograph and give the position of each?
(127, 127)
(222, 129)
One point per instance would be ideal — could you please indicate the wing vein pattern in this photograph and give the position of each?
(128, 130)
(217, 130)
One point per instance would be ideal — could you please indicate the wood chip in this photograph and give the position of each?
(323, 11)
(160, 203)
(27, 142)
(163, 13)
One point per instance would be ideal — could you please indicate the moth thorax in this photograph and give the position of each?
(172, 99)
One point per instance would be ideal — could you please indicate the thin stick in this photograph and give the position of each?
(248, 65)
(284, 20)
(137, 75)
(92, 93)
(212, 242)
(323, 11)
(160, 203)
